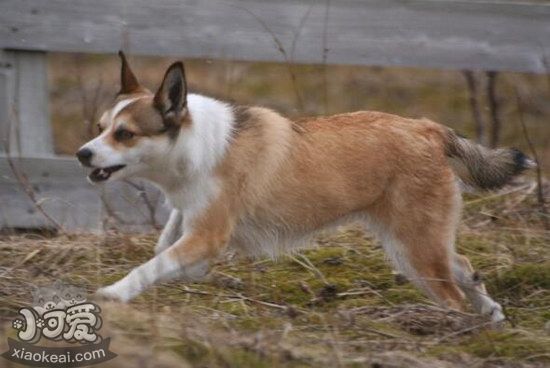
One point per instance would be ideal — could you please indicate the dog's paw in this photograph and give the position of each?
(108, 293)
(497, 316)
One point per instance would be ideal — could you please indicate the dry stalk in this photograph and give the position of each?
(540, 190)
(90, 103)
(151, 208)
(287, 59)
(473, 91)
(494, 108)
(325, 57)
(27, 187)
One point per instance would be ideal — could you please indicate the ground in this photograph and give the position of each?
(336, 304)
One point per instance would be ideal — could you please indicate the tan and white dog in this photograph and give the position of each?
(253, 180)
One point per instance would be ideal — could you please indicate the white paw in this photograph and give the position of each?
(111, 293)
(494, 310)
(497, 315)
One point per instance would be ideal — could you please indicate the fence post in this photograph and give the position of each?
(24, 112)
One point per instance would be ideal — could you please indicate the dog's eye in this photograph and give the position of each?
(123, 135)
(99, 128)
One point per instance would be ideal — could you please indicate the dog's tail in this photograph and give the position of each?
(481, 167)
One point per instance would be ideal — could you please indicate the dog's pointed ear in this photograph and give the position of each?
(128, 81)
(171, 97)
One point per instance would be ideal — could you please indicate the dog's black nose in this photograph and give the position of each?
(84, 155)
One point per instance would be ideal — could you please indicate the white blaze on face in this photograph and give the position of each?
(108, 161)
(121, 105)
(103, 154)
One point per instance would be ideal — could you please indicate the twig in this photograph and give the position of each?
(27, 188)
(500, 194)
(150, 206)
(546, 64)
(287, 59)
(90, 104)
(110, 212)
(471, 82)
(538, 169)
(234, 296)
(306, 263)
(27, 258)
(325, 57)
(298, 31)
(465, 330)
(494, 108)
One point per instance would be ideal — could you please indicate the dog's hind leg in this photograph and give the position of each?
(172, 231)
(470, 283)
(426, 263)
(416, 224)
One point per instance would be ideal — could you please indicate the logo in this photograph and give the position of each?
(59, 313)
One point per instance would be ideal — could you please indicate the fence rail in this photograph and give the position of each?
(424, 33)
(485, 35)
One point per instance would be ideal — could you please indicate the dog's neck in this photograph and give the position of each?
(198, 148)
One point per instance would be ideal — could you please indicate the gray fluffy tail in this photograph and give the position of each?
(481, 167)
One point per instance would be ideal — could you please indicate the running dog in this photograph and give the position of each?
(248, 178)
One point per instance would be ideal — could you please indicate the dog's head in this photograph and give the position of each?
(139, 129)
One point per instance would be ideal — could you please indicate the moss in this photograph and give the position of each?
(190, 350)
(512, 346)
(520, 280)
(404, 295)
(366, 312)
(506, 344)
(243, 358)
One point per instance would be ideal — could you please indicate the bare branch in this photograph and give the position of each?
(27, 187)
(151, 208)
(325, 57)
(540, 190)
(494, 108)
(473, 91)
(287, 59)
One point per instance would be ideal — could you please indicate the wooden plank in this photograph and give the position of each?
(425, 33)
(60, 187)
(25, 120)
(6, 101)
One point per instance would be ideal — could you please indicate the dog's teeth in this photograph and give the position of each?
(102, 173)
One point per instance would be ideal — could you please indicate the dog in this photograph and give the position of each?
(247, 178)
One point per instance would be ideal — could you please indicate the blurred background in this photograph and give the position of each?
(82, 85)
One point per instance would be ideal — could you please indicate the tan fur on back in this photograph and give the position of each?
(301, 178)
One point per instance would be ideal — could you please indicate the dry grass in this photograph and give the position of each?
(336, 305)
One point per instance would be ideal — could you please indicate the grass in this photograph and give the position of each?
(337, 304)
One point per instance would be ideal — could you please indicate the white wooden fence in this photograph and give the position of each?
(484, 35)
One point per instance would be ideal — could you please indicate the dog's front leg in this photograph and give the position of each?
(171, 232)
(189, 257)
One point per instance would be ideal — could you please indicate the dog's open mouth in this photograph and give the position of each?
(102, 174)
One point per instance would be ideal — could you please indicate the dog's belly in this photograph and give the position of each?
(252, 237)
